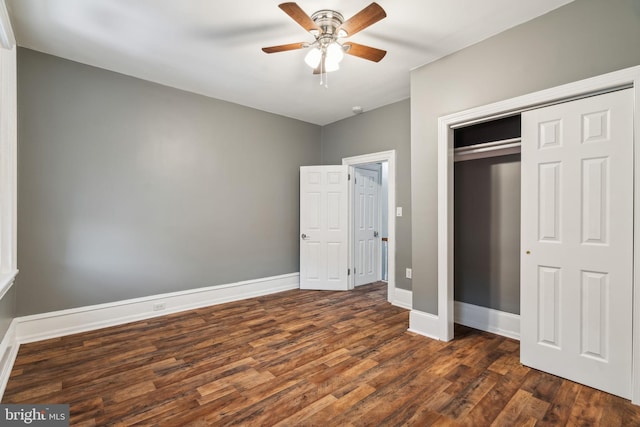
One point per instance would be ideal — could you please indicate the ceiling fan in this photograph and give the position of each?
(328, 27)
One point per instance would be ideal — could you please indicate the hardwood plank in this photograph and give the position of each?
(37, 393)
(87, 411)
(136, 390)
(470, 396)
(511, 412)
(397, 401)
(495, 401)
(299, 417)
(587, 410)
(617, 412)
(300, 358)
(546, 386)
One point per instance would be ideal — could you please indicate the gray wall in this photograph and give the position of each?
(128, 188)
(382, 129)
(582, 39)
(487, 232)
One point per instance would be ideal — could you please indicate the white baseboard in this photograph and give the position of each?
(487, 319)
(8, 352)
(403, 298)
(424, 324)
(65, 322)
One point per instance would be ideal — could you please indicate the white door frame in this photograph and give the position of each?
(390, 158)
(378, 226)
(629, 77)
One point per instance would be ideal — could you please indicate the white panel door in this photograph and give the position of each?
(324, 228)
(366, 223)
(577, 247)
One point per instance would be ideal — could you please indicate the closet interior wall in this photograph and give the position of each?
(487, 215)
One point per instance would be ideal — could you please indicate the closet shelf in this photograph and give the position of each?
(487, 149)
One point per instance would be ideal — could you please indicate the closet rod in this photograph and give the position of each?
(487, 149)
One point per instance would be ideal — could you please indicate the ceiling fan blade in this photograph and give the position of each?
(366, 52)
(284, 47)
(361, 20)
(298, 15)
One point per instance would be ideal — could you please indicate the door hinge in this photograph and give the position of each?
(348, 272)
(349, 177)
(354, 270)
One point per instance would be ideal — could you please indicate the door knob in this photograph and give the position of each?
(375, 234)
(304, 236)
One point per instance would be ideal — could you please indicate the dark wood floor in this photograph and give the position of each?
(300, 358)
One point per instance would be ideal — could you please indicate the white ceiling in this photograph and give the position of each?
(214, 47)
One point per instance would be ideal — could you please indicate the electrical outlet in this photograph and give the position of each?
(408, 273)
(159, 306)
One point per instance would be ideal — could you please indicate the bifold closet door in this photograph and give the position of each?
(577, 240)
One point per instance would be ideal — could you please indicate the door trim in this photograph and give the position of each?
(390, 158)
(603, 83)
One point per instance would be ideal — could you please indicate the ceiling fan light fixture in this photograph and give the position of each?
(335, 53)
(312, 59)
(330, 66)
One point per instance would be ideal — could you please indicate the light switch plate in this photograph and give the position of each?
(399, 211)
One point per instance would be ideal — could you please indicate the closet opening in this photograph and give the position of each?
(486, 229)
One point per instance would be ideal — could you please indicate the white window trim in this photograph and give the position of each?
(8, 153)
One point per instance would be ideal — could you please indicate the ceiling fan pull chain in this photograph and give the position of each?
(323, 70)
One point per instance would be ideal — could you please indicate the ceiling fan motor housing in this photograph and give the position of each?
(329, 21)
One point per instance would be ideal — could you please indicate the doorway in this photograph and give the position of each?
(326, 223)
(487, 223)
(387, 160)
